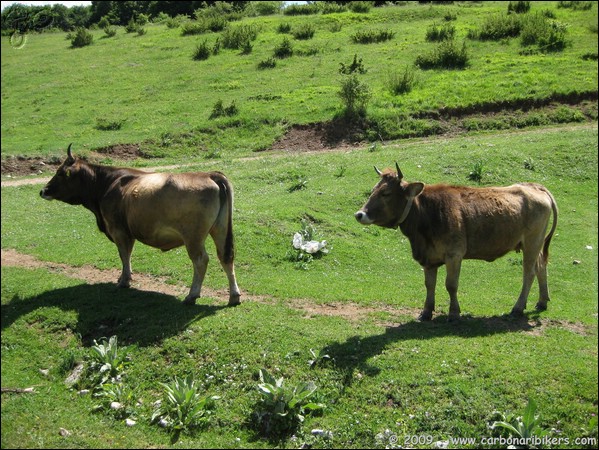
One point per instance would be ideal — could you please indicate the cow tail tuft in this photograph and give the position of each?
(226, 202)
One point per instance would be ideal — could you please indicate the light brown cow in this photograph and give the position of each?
(159, 209)
(446, 224)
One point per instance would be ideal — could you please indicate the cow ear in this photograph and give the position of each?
(415, 189)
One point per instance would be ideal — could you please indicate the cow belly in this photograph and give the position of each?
(164, 239)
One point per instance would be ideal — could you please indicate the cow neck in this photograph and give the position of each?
(406, 211)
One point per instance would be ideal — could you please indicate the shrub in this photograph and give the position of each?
(435, 33)
(269, 63)
(354, 95)
(359, 7)
(518, 7)
(202, 52)
(297, 10)
(304, 32)
(104, 124)
(401, 83)
(110, 31)
(193, 28)
(445, 56)
(131, 26)
(497, 27)
(372, 36)
(284, 28)
(284, 49)
(219, 110)
(546, 34)
(355, 67)
(82, 38)
(237, 37)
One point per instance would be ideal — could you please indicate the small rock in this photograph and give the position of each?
(130, 422)
(576, 262)
(44, 372)
(64, 433)
(116, 405)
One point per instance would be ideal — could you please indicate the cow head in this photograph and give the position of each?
(66, 185)
(390, 200)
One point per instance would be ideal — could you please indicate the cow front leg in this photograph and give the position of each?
(451, 284)
(430, 282)
(199, 258)
(125, 247)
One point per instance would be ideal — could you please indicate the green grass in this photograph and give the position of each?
(151, 86)
(387, 371)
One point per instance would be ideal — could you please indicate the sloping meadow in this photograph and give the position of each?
(344, 321)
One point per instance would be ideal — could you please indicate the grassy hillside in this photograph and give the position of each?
(345, 321)
(148, 89)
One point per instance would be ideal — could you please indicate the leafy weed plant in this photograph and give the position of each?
(282, 409)
(183, 408)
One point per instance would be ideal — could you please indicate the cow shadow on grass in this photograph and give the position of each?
(353, 354)
(102, 310)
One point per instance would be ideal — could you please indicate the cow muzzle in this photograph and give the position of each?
(45, 196)
(363, 218)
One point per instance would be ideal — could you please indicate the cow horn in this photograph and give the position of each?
(379, 173)
(69, 151)
(399, 174)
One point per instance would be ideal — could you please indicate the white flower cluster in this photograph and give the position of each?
(309, 246)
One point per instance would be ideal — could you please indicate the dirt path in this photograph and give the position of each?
(92, 275)
(346, 310)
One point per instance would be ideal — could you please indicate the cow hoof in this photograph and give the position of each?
(234, 301)
(425, 316)
(123, 285)
(189, 300)
(517, 312)
(541, 307)
(453, 318)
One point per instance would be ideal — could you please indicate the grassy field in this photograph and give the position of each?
(386, 370)
(148, 89)
(345, 321)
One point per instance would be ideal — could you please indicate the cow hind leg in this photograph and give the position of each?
(541, 270)
(226, 258)
(199, 258)
(529, 271)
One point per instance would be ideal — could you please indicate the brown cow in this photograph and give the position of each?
(446, 224)
(159, 209)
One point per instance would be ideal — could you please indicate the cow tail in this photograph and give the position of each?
(553, 227)
(225, 214)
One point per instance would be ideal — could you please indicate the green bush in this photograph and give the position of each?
(518, 7)
(401, 83)
(359, 7)
(497, 27)
(355, 95)
(304, 32)
(446, 56)
(82, 38)
(202, 52)
(236, 37)
(435, 33)
(372, 36)
(284, 49)
(546, 34)
(355, 67)
(269, 63)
